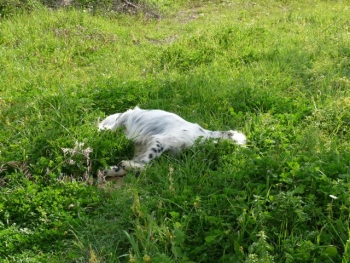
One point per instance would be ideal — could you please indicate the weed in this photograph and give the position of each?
(276, 70)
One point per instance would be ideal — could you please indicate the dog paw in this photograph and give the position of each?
(115, 171)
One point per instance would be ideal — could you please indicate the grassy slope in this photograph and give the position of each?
(278, 71)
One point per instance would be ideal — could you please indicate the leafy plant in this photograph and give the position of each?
(277, 71)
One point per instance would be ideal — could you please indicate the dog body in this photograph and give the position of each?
(157, 131)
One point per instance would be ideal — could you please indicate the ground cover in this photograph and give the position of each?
(277, 70)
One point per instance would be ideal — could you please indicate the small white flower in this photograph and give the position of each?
(78, 145)
(333, 197)
(87, 150)
(65, 150)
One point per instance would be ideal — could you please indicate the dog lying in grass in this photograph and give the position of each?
(157, 131)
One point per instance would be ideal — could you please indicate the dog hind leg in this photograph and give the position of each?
(143, 155)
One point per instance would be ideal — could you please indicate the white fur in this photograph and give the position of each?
(156, 131)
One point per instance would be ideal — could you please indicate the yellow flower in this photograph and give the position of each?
(131, 258)
(146, 258)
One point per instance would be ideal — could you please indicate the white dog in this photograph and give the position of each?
(156, 131)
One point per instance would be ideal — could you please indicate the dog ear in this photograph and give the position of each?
(109, 123)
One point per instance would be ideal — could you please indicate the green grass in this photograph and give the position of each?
(277, 70)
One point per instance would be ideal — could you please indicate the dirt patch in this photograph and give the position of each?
(116, 6)
(187, 16)
(109, 183)
(168, 40)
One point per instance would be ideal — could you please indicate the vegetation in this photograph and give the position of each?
(277, 70)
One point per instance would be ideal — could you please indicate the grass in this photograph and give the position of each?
(276, 70)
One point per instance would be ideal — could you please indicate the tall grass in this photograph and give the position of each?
(276, 70)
